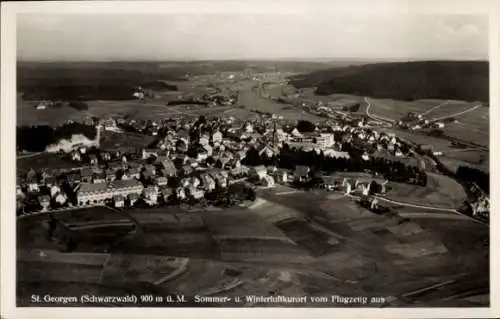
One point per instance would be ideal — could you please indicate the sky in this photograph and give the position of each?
(97, 37)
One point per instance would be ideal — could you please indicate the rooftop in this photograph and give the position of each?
(104, 187)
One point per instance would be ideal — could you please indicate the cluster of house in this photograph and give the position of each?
(413, 121)
(33, 184)
(481, 205)
(198, 163)
(43, 105)
(374, 143)
(216, 99)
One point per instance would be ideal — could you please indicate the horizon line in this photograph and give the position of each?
(278, 59)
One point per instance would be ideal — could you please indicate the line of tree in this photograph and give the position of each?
(37, 138)
(78, 105)
(78, 91)
(462, 174)
(289, 158)
(470, 174)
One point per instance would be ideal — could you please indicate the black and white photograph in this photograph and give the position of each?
(335, 158)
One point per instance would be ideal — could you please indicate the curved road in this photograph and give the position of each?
(376, 117)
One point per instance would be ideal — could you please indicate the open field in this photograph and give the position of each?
(479, 161)
(28, 115)
(241, 223)
(112, 140)
(440, 191)
(251, 98)
(166, 219)
(290, 243)
(45, 160)
(395, 109)
(471, 127)
(94, 214)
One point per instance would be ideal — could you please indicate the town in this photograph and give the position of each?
(196, 160)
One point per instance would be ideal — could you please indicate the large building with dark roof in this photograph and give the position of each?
(90, 193)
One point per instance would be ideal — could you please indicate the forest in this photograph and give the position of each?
(470, 174)
(457, 80)
(37, 138)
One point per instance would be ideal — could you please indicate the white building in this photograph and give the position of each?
(75, 156)
(204, 140)
(44, 201)
(217, 137)
(195, 192)
(41, 106)
(151, 195)
(33, 186)
(336, 154)
(208, 182)
(132, 198)
(161, 181)
(60, 198)
(325, 140)
(281, 176)
(54, 190)
(268, 181)
(139, 95)
(180, 193)
(119, 200)
(259, 171)
(88, 193)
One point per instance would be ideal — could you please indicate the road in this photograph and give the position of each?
(456, 114)
(29, 155)
(455, 288)
(426, 214)
(435, 107)
(432, 215)
(471, 149)
(192, 112)
(61, 210)
(376, 117)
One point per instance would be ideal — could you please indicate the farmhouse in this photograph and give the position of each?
(119, 201)
(301, 173)
(259, 171)
(44, 202)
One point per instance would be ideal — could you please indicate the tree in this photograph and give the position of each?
(304, 126)
(375, 188)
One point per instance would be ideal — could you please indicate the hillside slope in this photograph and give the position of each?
(457, 80)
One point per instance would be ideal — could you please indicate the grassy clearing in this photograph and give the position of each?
(66, 272)
(274, 213)
(165, 219)
(94, 214)
(128, 140)
(45, 160)
(142, 268)
(49, 257)
(241, 224)
(263, 250)
(395, 109)
(453, 164)
(441, 191)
